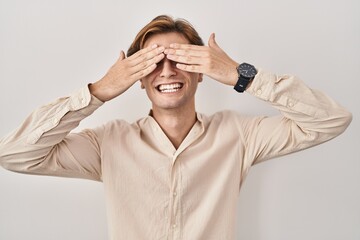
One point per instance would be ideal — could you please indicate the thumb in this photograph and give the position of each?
(212, 43)
(122, 55)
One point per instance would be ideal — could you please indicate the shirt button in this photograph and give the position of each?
(55, 120)
(290, 104)
(174, 225)
(174, 193)
(258, 92)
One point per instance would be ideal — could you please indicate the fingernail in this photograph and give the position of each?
(154, 46)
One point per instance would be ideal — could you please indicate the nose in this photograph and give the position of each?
(167, 68)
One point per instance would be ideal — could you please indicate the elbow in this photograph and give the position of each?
(2, 157)
(5, 160)
(6, 166)
(345, 121)
(19, 164)
(11, 160)
(337, 124)
(331, 126)
(4, 163)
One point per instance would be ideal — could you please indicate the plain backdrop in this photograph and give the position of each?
(49, 49)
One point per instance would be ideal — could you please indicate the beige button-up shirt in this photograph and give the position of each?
(154, 191)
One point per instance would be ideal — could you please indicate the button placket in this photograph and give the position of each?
(174, 195)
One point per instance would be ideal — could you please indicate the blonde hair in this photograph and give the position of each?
(165, 24)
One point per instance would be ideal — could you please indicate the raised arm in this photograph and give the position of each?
(44, 145)
(308, 117)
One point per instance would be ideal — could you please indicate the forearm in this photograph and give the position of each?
(308, 118)
(310, 109)
(27, 147)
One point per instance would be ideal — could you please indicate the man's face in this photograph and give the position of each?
(167, 86)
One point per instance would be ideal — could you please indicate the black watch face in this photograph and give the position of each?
(247, 70)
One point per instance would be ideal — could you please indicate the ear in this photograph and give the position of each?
(141, 84)
(200, 78)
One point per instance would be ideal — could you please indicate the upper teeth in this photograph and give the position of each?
(170, 87)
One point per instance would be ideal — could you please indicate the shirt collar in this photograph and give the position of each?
(196, 131)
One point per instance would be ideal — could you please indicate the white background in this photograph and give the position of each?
(50, 48)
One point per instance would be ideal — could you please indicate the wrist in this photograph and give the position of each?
(234, 75)
(96, 91)
(246, 73)
(103, 91)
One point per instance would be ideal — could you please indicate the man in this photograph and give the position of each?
(175, 174)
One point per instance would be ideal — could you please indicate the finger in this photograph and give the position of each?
(187, 59)
(212, 42)
(147, 63)
(144, 50)
(146, 54)
(122, 55)
(142, 62)
(186, 52)
(190, 68)
(184, 49)
(144, 72)
(184, 46)
(145, 68)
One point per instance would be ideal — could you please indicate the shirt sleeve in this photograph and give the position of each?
(43, 144)
(308, 117)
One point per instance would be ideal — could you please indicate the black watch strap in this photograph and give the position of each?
(246, 73)
(241, 84)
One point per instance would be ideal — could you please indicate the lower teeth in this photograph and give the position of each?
(170, 90)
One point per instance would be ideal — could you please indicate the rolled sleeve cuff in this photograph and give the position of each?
(81, 102)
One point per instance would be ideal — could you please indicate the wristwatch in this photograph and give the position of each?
(246, 72)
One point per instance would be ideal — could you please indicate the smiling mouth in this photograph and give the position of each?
(169, 88)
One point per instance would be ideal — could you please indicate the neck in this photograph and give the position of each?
(176, 123)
